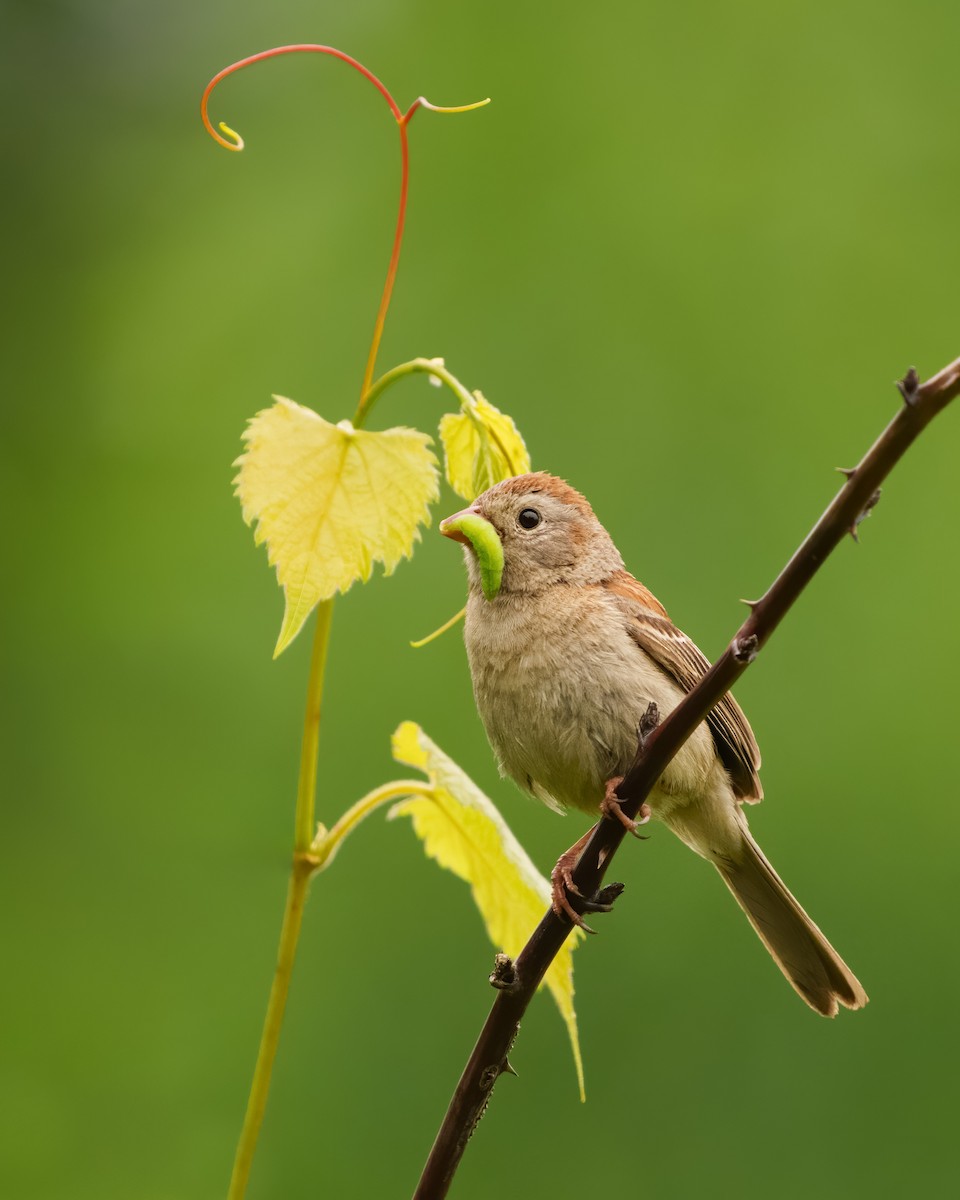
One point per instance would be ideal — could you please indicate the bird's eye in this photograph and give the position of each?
(529, 518)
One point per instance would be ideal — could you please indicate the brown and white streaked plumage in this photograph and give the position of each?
(567, 653)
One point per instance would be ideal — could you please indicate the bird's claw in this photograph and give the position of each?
(610, 807)
(563, 887)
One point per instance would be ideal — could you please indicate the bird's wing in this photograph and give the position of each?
(680, 658)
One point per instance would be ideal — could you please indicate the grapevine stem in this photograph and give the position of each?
(302, 868)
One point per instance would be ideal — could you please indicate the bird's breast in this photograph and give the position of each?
(560, 687)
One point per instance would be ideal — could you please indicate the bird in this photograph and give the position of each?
(566, 651)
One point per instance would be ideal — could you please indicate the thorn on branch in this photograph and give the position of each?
(751, 604)
(849, 472)
(508, 1069)
(870, 505)
(909, 386)
(504, 974)
(745, 650)
(609, 895)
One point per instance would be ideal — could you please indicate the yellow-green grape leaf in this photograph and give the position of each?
(462, 829)
(330, 501)
(481, 446)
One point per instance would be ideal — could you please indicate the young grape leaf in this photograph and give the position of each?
(330, 500)
(464, 832)
(481, 446)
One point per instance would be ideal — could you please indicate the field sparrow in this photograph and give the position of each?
(566, 651)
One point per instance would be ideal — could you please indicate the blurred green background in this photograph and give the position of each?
(689, 247)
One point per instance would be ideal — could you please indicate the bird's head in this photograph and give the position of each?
(531, 532)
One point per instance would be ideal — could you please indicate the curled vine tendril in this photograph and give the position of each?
(231, 140)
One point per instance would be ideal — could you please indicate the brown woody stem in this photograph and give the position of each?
(921, 403)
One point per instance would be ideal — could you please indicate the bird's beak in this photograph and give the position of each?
(474, 530)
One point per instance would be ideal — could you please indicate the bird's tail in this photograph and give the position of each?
(803, 954)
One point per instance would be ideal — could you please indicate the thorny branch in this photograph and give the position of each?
(859, 494)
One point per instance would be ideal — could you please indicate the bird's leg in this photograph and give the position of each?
(561, 877)
(610, 807)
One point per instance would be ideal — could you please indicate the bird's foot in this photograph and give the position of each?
(563, 887)
(610, 807)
